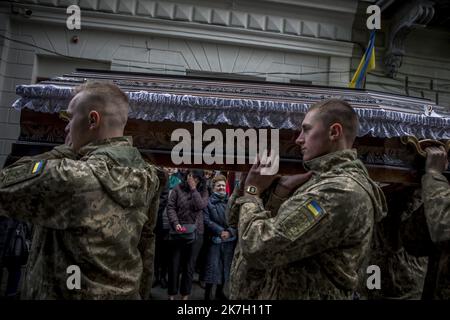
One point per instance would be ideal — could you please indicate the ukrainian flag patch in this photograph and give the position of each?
(302, 219)
(38, 167)
(20, 173)
(315, 209)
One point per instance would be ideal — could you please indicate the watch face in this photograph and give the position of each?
(251, 189)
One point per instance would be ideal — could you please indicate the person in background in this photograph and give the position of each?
(209, 175)
(15, 237)
(201, 259)
(162, 230)
(402, 274)
(427, 232)
(185, 211)
(221, 240)
(181, 173)
(15, 243)
(174, 177)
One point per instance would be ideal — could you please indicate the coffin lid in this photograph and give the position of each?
(241, 103)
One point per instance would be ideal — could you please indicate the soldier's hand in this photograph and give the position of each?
(437, 160)
(256, 178)
(288, 184)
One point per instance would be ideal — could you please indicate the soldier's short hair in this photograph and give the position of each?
(338, 111)
(107, 97)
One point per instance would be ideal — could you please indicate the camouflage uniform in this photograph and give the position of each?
(95, 209)
(434, 240)
(246, 282)
(402, 274)
(314, 246)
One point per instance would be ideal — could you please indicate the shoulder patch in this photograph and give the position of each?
(302, 220)
(22, 173)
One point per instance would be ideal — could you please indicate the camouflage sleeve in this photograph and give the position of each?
(40, 191)
(414, 234)
(274, 202)
(146, 244)
(271, 200)
(307, 223)
(436, 199)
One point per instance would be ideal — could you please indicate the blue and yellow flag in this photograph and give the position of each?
(314, 208)
(366, 64)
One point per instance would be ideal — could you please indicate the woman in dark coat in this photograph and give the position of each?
(221, 240)
(185, 210)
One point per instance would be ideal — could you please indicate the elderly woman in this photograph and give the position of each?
(185, 211)
(221, 240)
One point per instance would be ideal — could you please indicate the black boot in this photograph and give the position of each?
(219, 293)
(208, 290)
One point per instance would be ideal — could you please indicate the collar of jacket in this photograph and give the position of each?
(214, 198)
(118, 141)
(327, 162)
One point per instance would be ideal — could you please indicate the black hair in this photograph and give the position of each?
(197, 173)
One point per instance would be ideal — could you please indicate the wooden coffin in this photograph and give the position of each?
(390, 124)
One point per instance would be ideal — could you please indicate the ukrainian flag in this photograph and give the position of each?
(314, 208)
(366, 64)
(37, 167)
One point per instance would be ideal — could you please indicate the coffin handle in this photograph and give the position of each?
(420, 145)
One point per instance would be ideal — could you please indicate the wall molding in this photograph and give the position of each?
(201, 23)
(415, 14)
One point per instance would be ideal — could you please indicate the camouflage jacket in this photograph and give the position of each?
(429, 233)
(436, 199)
(402, 274)
(95, 210)
(245, 282)
(314, 246)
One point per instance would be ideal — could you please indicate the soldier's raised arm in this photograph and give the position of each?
(436, 195)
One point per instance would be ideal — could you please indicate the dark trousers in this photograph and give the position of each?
(13, 281)
(161, 255)
(183, 258)
(201, 258)
(219, 292)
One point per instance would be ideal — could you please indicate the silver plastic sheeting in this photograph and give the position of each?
(151, 106)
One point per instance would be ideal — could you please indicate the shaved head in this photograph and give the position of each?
(338, 111)
(105, 98)
(328, 126)
(98, 111)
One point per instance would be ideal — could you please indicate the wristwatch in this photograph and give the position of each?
(252, 190)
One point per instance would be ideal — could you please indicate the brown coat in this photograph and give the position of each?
(186, 207)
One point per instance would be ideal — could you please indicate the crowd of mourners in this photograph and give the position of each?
(194, 202)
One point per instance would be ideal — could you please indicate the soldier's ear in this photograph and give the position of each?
(336, 131)
(94, 119)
